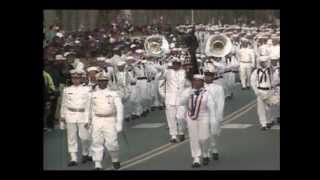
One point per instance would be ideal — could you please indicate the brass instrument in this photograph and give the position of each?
(156, 46)
(218, 45)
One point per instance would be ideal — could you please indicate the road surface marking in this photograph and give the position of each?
(236, 126)
(275, 127)
(177, 145)
(149, 125)
(169, 144)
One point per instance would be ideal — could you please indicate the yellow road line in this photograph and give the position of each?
(174, 146)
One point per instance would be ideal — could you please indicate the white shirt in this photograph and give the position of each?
(258, 80)
(75, 97)
(217, 93)
(275, 52)
(107, 102)
(175, 84)
(140, 71)
(246, 55)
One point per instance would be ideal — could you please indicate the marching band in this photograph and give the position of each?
(157, 72)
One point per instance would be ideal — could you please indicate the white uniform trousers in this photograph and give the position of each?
(73, 129)
(230, 83)
(143, 92)
(213, 144)
(104, 134)
(199, 134)
(175, 124)
(222, 82)
(264, 111)
(135, 101)
(245, 73)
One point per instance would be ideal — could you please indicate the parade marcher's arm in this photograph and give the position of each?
(87, 106)
(119, 109)
(253, 60)
(253, 82)
(63, 106)
(185, 97)
(220, 103)
(214, 122)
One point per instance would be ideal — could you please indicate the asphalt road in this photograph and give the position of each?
(242, 145)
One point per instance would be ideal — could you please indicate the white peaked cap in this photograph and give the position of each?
(169, 63)
(101, 58)
(59, 34)
(139, 51)
(77, 71)
(198, 76)
(175, 59)
(121, 63)
(269, 41)
(132, 46)
(92, 68)
(130, 57)
(102, 76)
(263, 58)
(60, 57)
(210, 68)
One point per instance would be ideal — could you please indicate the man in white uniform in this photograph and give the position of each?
(200, 105)
(246, 60)
(74, 112)
(219, 101)
(106, 119)
(275, 109)
(261, 83)
(175, 82)
(140, 72)
(123, 81)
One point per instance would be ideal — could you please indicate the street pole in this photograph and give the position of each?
(192, 17)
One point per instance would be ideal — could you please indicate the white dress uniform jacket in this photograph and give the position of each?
(106, 112)
(261, 84)
(199, 127)
(75, 104)
(247, 62)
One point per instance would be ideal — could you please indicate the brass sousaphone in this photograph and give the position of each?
(218, 45)
(156, 46)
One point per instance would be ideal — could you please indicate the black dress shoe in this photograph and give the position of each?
(215, 156)
(263, 128)
(269, 125)
(116, 165)
(205, 161)
(153, 108)
(173, 140)
(160, 108)
(98, 169)
(195, 165)
(84, 159)
(72, 163)
(181, 138)
(127, 119)
(243, 88)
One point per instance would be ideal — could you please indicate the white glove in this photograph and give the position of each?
(62, 125)
(119, 128)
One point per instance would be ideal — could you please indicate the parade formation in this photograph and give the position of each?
(97, 80)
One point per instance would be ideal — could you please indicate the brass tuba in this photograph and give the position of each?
(218, 45)
(156, 46)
